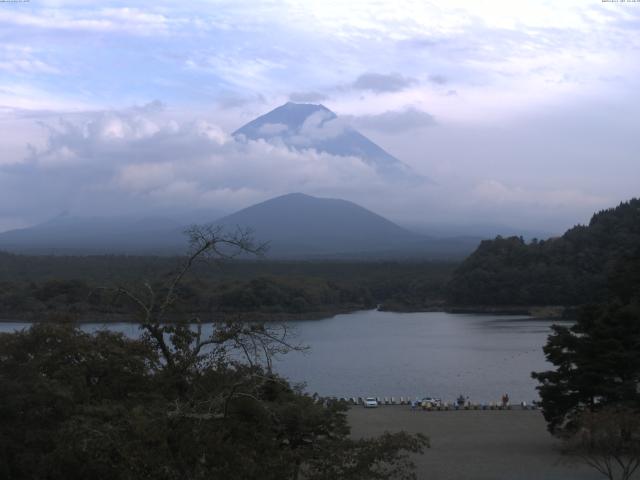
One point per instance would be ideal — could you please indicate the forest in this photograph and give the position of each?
(576, 268)
(81, 287)
(573, 269)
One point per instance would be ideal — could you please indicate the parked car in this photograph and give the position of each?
(433, 401)
(370, 402)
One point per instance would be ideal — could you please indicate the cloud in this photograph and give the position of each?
(242, 72)
(22, 96)
(228, 53)
(318, 128)
(395, 121)
(151, 159)
(19, 59)
(233, 100)
(308, 97)
(323, 125)
(272, 129)
(512, 85)
(130, 20)
(383, 83)
(494, 192)
(146, 177)
(438, 79)
(143, 159)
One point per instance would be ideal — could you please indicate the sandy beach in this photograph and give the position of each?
(478, 445)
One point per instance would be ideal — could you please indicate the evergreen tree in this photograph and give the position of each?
(597, 363)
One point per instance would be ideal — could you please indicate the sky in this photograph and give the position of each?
(515, 113)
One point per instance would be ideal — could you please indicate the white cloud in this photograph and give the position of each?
(377, 82)
(15, 95)
(501, 58)
(20, 59)
(236, 69)
(144, 159)
(269, 129)
(493, 192)
(545, 101)
(130, 20)
(409, 118)
(104, 162)
(321, 125)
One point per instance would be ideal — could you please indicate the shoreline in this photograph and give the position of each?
(205, 318)
(535, 312)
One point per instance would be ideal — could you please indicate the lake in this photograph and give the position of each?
(372, 353)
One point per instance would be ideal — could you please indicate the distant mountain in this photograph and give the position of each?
(298, 225)
(93, 235)
(576, 268)
(303, 126)
(294, 225)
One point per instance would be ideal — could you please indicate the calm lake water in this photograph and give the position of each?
(411, 354)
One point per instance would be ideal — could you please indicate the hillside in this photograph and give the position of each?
(67, 235)
(302, 226)
(294, 226)
(298, 224)
(576, 268)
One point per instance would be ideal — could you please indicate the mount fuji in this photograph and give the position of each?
(307, 126)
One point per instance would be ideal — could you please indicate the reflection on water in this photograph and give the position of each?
(410, 354)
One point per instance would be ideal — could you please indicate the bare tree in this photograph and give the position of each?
(189, 405)
(182, 344)
(608, 440)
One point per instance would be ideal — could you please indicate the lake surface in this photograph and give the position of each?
(371, 353)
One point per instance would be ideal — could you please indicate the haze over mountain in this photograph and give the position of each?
(486, 230)
(294, 225)
(298, 223)
(92, 235)
(305, 125)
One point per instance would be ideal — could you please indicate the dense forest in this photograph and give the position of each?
(570, 270)
(51, 287)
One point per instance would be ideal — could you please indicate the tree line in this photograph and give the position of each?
(267, 288)
(573, 269)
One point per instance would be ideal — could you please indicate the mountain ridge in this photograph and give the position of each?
(295, 225)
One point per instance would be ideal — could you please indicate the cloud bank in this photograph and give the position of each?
(110, 162)
(520, 111)
(145, 160)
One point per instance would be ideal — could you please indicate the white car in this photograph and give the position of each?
(370, 402)
(433, 401)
